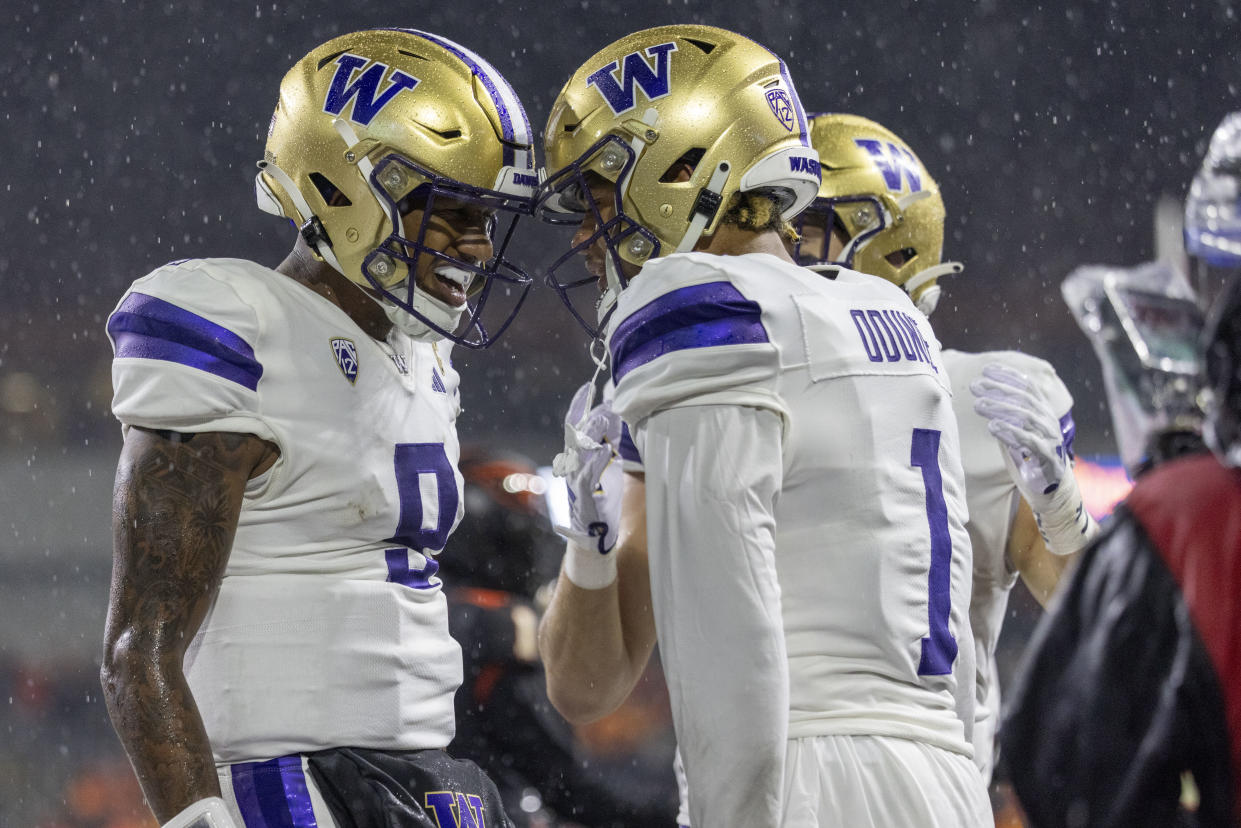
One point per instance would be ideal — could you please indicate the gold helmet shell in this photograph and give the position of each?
(366, 119)
(660, 96)
(877, 191)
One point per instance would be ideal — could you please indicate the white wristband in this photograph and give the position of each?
(1065, 524)
(205, 813)
(585, 566)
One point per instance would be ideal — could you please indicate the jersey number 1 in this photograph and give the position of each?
(939, 649)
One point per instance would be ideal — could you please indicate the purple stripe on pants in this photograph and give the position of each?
(273, 794)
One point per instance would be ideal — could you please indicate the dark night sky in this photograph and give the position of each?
(131, 129)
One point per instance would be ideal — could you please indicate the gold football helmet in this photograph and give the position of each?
(879, 197)
(659, 102)
(374, 124)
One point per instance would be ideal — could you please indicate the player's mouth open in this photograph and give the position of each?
(452, 284)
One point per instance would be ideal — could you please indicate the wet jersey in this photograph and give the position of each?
(330, 627)
(861, 499)
(992, 498)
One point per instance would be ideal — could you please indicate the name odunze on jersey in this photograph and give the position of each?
(330, 627)
(872, 555)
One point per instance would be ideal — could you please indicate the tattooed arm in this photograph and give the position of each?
(174, 513)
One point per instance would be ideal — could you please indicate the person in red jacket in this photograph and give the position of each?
(1127, 709)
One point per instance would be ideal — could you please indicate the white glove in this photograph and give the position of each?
(1021, 418)
(591, 467)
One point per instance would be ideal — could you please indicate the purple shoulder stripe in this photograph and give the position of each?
(698, 316)
(273, 794)
(145, 327)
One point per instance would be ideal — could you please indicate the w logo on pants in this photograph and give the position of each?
(455, 810)
(365, 88)
(634, 70)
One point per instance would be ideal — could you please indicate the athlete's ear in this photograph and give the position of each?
(682, 171)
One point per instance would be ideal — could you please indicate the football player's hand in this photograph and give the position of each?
(1020, 416)
(591, 467)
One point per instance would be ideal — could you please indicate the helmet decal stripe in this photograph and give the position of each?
(513, 120)
(802, 126)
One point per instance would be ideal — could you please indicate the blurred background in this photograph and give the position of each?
(129, 134)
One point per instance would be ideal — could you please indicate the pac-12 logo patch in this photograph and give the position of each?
(782, 107)
(346, 354)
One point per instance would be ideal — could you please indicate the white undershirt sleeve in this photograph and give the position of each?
(713, 473)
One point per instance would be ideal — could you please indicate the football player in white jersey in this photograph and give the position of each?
(277, 642)
(879, 211)
(802, 500)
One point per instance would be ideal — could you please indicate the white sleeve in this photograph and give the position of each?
(185, 359)
(713, 473)
(965, 668)
(687, 334)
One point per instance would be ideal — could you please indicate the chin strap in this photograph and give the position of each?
(311, 228)
(708, 204)
(598, 353)
(930, 297)
(607, 299)
(365, 168)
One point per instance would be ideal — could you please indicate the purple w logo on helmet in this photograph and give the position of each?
(896, 163)
(634, 69)
(366, 88)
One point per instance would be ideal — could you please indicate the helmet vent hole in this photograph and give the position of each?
(411, 54)
(332, 195)
(897, 258)
(325, 61)
(707, 48)
(687, 163)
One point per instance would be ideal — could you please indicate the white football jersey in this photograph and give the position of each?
(872, 557)
(330, 627)
(993, 499)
